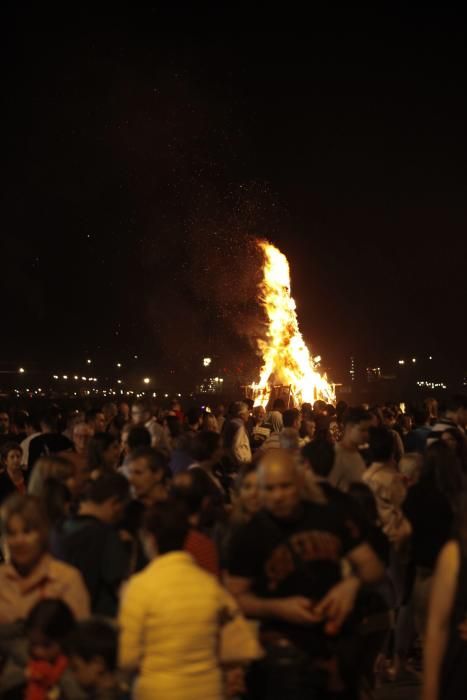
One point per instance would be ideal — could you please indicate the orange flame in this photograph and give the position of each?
(286, 358)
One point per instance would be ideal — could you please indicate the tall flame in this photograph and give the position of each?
(286, 358)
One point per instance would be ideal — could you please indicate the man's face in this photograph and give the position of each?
(4, 422)
(358, 433)
(138, 415)
(279, 489)
(99, 423)
(142, 478)
(82, 433)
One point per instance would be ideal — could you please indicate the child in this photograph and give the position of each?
(48, 625)
(93, 658)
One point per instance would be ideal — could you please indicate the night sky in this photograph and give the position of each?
(145, 149)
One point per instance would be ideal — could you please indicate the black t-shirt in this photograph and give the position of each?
(431, 517)
(300, 556)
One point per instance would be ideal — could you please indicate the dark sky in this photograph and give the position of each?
(143, 149)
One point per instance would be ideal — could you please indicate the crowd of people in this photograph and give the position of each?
(233, 552)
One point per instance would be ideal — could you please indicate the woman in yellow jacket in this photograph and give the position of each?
(170, 618)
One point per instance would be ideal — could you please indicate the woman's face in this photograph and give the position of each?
(310, 427)
(249, 494)
(13, 461)
(111, 455)
(24, 543)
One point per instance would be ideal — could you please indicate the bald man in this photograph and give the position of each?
(285, 569)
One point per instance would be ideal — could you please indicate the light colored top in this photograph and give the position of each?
(49, 579)
(241, 445)
(348, 467)
(25, 447)
(169, 630)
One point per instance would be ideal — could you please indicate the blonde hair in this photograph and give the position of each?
(31, 510)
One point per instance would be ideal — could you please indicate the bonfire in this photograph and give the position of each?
(286, 359)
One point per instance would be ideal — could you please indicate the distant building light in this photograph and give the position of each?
(207, 361)
(119, 381)
(88, 361)
(430, 357)
(166, 396)
(146, 380)
(83, 378)
(414, 359)
(119, 364)
(55, 376)
(21, 370)
(402, 362)
(76, 377)
(65, 376)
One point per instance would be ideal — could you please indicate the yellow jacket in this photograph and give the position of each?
(169, 630)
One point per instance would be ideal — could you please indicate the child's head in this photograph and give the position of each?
(48, 626)
(93, 651)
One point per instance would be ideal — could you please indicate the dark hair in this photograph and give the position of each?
(7, 448)
(443, 469)
(156, 461)
(290, 416)
(53, 618)
(95, 638)
(193, 415)
(278, 405)
(320, 454)
(168, 523)
(138, 436)
(90, 415)
(355, 415)
(197, 488)
(455, 402)
(421, 415)
(174, 426)
(107, 486)
(204, 445)
(50, 419)
(363, 496)
(97, 445)
(381, 443)
(20, 418)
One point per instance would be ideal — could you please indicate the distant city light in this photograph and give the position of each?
(55, 376)
(430, 357)
(88, 361)
(414, 359)
(402, 362)
(76, 377)
(119, 364)
(207, 361)
(83, 378)
(65, 376)
(119, 381)
(146, 380)
(21, 370)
